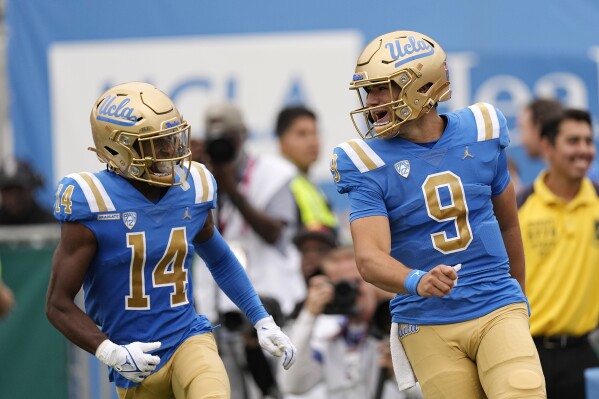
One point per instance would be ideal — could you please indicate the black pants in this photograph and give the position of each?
(564, 368)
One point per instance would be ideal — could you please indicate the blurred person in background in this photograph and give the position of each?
(197, 145)
(559, 218)
(531, 119)
(7, 299)
(258, 217)
(299, 142)
(18, 205)
(514, 174)
(334, 331)
(431, 199)
(530, 122)
(127, 235)
(313, 243)
(256, 208)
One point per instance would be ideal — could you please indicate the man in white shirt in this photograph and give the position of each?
(332, 335)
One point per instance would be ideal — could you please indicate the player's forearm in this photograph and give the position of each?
(382, 271)
(230, 276)
(74, 324)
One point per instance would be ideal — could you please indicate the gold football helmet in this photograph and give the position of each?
(406, 61)
(140, 134)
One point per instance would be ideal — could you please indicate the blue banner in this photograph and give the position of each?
(505, 53)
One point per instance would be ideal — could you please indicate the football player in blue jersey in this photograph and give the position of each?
(128, 235)
(431, 200)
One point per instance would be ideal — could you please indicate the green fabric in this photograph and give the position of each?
(312, 204)
(33, 354)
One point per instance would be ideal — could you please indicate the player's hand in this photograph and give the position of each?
(131, 361)
(273, 341)
(320, 292)
(437, 282)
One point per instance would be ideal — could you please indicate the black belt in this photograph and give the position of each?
(560, 341)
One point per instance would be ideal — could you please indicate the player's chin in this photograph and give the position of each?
(161, 179)
(386, 131)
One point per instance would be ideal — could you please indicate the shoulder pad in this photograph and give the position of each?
(361, 155)
(79, 195)
(204, 184)
(490, 123)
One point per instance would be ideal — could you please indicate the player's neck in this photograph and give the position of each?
(428, 128)
(152, 193)
(562, 186)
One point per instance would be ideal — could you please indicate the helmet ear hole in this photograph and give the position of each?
(425, 88)
(111, 151)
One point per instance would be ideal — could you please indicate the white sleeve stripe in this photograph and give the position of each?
(87, 191)
(204, 186)
(487, 123)
(210, 182)
(109, 205)
(197, 183)
(361, 155)
(94, 192)
(494, 120)
(480, 124)
(354, 157)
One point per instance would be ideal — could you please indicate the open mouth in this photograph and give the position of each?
(162, 169)
(381, 117)
(580, 162)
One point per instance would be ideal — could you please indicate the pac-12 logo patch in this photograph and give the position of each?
(403, 168)
(130, 218)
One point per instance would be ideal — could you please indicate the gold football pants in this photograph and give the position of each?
(194, 371)
(492, 356)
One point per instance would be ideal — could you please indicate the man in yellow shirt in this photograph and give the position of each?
(559, 219)
(299, 142)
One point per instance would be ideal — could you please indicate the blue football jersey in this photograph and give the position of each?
(437, 198)
(138, 286)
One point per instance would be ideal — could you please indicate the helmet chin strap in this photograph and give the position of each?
(182, 177)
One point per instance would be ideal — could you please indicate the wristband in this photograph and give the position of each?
(411, 282)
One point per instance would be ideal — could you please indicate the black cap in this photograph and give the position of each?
(18, 173)
(316, 232)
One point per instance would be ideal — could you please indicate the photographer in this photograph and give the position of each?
(333, 335)
(256, 209)
(257, 216)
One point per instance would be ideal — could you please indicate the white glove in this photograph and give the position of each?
(273, 341)
(130, 361)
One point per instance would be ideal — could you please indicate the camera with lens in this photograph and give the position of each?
(221, 149)
(344, 299)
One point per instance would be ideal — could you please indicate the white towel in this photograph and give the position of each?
(401, 365)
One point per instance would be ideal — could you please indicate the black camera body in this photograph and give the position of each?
(344, 299)
(221, 149)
